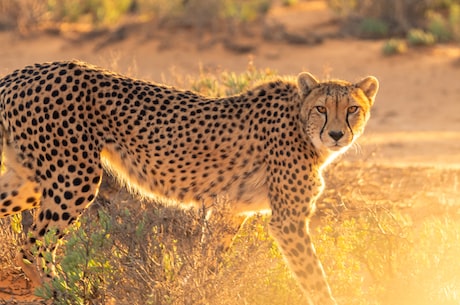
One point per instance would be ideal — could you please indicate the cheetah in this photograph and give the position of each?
(62, 123)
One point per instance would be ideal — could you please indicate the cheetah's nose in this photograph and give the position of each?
(336, 135)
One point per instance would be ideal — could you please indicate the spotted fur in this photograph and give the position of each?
(63, 122)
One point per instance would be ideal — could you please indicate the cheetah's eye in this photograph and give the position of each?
(352, 109)
(321, 109)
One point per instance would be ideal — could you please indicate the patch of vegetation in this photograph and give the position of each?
(394, 46)
(289, 2)
(417, 37)
(373, 28)
(439, 27)
(244, 11)
(230, 83)
(158, 256)
(97, 12)
(396, 18)
(30, 15)
(381, 257)
(83, 270)
(10, 241)
(445, 25)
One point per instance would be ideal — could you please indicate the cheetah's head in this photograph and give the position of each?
(333, 114)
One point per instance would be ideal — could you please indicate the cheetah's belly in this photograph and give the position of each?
(250, 194)
(245, 191)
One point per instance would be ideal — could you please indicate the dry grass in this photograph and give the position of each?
(380, 232)
(391, 232)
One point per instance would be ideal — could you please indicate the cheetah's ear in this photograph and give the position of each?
(369, 85)
(306, 81)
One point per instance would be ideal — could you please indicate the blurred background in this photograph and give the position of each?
(410, 45)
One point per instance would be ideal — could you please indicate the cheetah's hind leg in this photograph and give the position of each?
(19, 194)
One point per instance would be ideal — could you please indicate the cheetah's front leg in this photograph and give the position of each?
(59, 208)
(292, 234)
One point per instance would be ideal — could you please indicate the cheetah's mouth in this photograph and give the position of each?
(336, 146)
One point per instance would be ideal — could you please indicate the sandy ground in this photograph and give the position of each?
(415, 121)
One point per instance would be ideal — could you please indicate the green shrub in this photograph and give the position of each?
(373, 28)
(290, 2)
(445, 28)
(230, 83)
(98, 12)
(84, 269)
(439, 27)
(454, 20)
(418, 37)
(25, 15)
(244, 11)
(394, 46)
(396, 17)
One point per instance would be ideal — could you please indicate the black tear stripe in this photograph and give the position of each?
(337, 105)
(349, 127)
(322, 128)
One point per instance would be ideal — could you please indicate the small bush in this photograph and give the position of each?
(230, 83)
(418, 37)
(394, 46)
(245, 11)
(84, 269)
(454, 20)
(290, 2)
(32, 13)
(439, 27)
(373, 28)
(445, 27)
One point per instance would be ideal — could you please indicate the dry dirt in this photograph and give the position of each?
(415, 124)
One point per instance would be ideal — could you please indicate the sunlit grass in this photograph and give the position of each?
(372, 255)
(384, 259)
